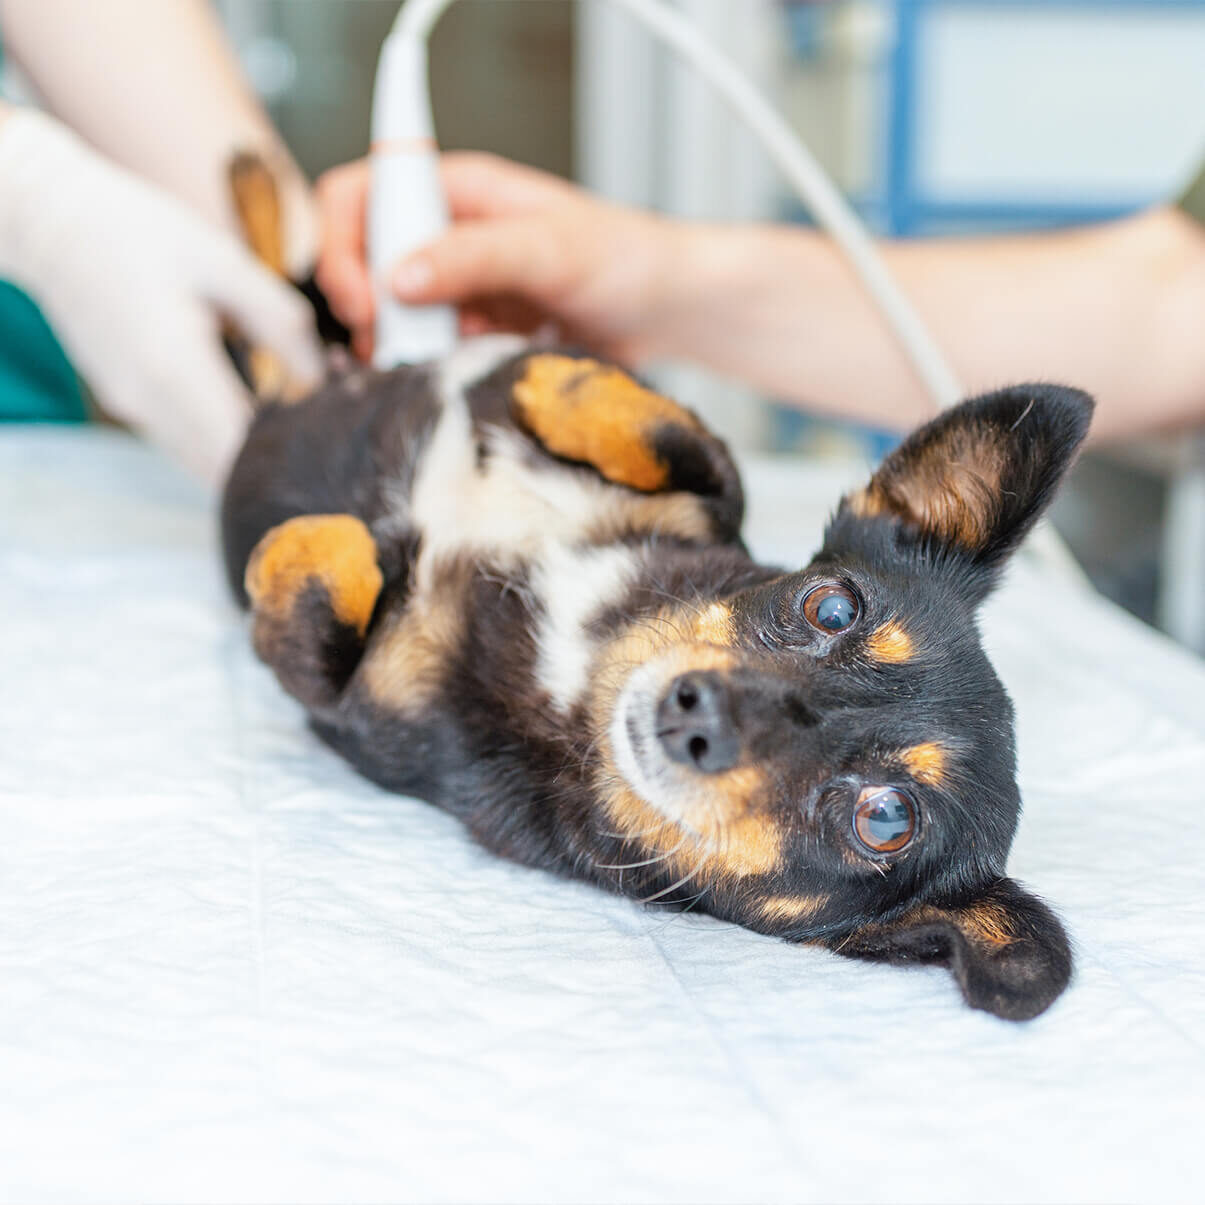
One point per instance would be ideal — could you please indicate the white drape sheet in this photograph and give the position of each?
(230, 970)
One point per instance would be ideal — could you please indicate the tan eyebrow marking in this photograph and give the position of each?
(925, 762)
(890, 644)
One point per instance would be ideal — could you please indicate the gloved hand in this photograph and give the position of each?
(134, 285)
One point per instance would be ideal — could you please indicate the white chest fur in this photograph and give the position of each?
(505, 512)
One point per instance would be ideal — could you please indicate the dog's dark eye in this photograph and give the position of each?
(831, 607)
(884, 819)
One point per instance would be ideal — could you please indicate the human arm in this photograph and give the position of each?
(156, 88)
(135, 284)
(1115, 308)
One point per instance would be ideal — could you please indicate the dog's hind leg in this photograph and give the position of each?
(313, 582)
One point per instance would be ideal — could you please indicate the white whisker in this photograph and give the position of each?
(648, 861)
(674, 886)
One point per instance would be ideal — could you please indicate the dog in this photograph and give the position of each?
(513, 583)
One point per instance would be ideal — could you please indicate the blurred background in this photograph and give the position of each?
(935, 116)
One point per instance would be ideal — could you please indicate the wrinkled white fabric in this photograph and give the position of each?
(232, 970)
(134, 285)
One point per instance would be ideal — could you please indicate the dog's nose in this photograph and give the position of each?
(695, 726)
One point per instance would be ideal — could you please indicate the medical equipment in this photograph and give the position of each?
(408, 208)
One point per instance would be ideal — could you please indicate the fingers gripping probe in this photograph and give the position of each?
(407, 208)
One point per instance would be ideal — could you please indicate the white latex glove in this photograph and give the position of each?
(134, 285)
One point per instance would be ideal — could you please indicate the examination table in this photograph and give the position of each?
(231, 970)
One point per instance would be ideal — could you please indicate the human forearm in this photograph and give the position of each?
(154, 86)
(1115, 309)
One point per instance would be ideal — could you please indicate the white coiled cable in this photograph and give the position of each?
(408, 208)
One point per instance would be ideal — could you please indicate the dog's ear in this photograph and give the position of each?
(1007, 950)
(313, 583)
(976, 479)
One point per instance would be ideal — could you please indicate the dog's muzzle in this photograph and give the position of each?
(695, 725)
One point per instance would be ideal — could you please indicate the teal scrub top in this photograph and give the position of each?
(37, 382)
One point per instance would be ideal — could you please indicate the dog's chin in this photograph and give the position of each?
(665, 787)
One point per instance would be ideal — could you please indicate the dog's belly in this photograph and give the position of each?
(484, 490)
(486, 501)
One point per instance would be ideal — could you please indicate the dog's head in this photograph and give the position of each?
(829, 755)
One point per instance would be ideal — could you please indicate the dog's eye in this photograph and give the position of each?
(884, 819)
(831, 607)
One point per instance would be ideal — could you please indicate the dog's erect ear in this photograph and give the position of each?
(313, 583)
(977, 478)
(1005, 948)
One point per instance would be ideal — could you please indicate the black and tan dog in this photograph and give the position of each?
(512, 583)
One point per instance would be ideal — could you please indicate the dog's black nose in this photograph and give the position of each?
(695, 726)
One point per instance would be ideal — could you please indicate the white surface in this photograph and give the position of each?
(230, 970)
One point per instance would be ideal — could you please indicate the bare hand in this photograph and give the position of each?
(525, 249)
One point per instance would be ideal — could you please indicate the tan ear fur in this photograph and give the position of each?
(976, 478)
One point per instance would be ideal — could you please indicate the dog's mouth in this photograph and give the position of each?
(686, 792)
(636, 756)
(633, 737)
(669, 746)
